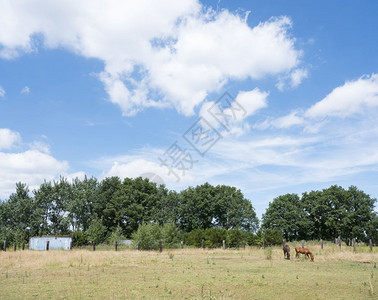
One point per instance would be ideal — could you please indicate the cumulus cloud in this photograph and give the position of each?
(32, 165)
(354, 97)
(184, 52)
(2, 91)
(292, 79)
(230, 114)
(351, 98)
(8, 138)
(25, 90)
(297, 76)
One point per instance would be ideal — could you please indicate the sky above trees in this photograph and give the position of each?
(129, 88)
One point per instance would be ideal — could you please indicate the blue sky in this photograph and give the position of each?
(112, 88)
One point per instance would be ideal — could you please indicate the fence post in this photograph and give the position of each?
(5, 246)
(23, 246)
(354, 244)
(47, 245)
(138, 245)
(243, 244)
(321, 244)
(15, 247)
(160, 246)
(182, 244)
(224, 244)
(339, 241)
(263, 244)
(94, 246)
(203, 243)
(371, 244)
(116, 246)
(302, 244)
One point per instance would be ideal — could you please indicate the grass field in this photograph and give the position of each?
(190, 274)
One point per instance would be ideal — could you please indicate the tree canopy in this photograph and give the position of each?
(324, 214)
(100, 208)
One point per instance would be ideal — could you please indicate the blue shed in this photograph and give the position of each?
(55, 242)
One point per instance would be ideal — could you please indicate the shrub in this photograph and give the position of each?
(235, 238)
(273, 236)
(194, 237)
(171, 235)
(254, 239)
(116, 235)
(214, 237)
(148, 236)
(79, 239)
(96, 231)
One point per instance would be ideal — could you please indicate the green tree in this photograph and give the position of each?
(197, 207)
(148, 236)
(96, 231)
(135, 202)
(273, 236)
(19, 214)
(206, 206)
(232, 210)
(81, 205)
(337, 212)
(116, 236)
(286, 213)
(171, 235)
(105, 206)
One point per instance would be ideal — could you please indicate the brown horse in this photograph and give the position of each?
(286, 251)
(304, 251)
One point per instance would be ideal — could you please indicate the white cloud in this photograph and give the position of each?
(245, 104)
(179, 55)
(8, 138)
(354, 97)
(40, 146)
(25, 90)
(292, 119)
(138, 165)
(297, 76)
(31, 167)
(351, 98)
(292, 79)
(2, 91)
(252, 101)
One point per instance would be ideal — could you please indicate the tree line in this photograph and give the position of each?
(326, 214)
(96, 210)
(110, 209)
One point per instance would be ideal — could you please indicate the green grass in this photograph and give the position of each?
(189, 274)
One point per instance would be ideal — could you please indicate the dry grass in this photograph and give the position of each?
(189, 273)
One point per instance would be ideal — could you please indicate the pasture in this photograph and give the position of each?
(253, 273)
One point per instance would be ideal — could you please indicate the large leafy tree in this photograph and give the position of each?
(286, 214)
(232, 210)
(206, 206)
(197, 207)
(20, 218)
(338, 212)
(104, 205)
(133, 203)
(53, 203)
(81, 204)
